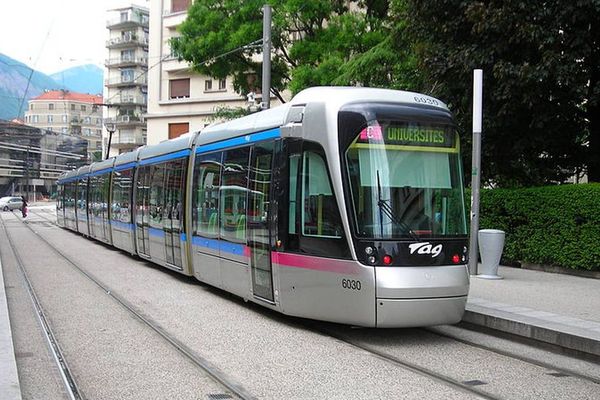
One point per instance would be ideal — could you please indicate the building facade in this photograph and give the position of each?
(72, 113)
(125, 87)
(179, 99)
(32, 159)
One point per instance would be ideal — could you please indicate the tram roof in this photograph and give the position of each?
(102, 165)
(167, 147)
(83, 170)
(257, 122)
(68, 174)
(126, 158)
(337, 96)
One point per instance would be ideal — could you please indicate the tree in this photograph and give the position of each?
(541, 67)
(315, 42)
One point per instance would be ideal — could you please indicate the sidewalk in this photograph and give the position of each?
(559, 309)
(9, 378)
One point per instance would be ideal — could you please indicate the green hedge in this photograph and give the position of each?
(552, 225)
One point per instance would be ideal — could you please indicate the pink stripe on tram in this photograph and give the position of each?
(315, 263)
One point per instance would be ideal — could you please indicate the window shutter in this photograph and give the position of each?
(179, 5)
(178, 129)
(179, 88)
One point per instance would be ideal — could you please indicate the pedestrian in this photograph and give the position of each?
(24, 207)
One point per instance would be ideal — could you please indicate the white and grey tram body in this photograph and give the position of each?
(309, 208)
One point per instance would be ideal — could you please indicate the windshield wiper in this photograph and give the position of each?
(386, 209)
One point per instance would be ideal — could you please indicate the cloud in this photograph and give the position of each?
(53, 35)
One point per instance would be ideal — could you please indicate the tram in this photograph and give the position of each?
(343, 205)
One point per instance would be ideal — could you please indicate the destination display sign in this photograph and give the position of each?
(409, 135)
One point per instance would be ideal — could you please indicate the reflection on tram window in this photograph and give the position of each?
(233, 195)
(205, 198)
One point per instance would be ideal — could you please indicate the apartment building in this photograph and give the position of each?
(179, 100)
(71, 113)
(125, 87)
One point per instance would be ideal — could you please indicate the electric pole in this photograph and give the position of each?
(266, 67)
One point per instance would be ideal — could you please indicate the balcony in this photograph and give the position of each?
(127, 140)
(127, 81)
(125, 62)
(132, 20)
(128, 100)
(126, 120)
(126, 41)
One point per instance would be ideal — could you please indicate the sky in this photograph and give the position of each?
(53, 35)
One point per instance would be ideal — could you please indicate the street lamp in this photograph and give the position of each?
(110, 127)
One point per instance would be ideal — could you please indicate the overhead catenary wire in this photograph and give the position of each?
(250, 45)
(32, 70)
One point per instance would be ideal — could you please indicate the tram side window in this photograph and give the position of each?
(174, 188)
(121, 196)
(314, 222)
(320, 215)
(141, 196)
(104, 194)
(233, 195)
(95, 195)
(68, 195)
(156, 195)
(80, 202)
(59, 197)
(207, 181)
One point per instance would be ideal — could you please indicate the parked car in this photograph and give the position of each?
(10, 203)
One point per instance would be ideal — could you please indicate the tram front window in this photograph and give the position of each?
(405, 180)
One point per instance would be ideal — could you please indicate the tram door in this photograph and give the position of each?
(141, 211)
(173, 210)
(259, 238)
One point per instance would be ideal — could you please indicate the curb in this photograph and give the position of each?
(555, 269)
(9, 377)
(531, 326)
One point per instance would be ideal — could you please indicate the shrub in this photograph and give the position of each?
(552, 225)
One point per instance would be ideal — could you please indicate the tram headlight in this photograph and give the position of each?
(372, 259)
(369, 251)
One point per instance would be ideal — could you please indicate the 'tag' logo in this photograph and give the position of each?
(425, 248)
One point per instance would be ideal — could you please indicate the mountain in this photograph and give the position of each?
(14, 77)
(83, 79)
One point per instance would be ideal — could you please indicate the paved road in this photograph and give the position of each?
(113, 355)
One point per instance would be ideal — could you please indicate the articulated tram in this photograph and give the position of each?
(344, 205)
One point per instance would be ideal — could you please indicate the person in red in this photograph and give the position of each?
(24, 207)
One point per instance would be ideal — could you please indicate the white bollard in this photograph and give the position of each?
(491, 244)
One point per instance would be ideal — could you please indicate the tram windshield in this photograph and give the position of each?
(405, 180)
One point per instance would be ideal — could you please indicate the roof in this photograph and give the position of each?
(72, 96)
(339, 95)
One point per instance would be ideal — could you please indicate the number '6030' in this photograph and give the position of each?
(351, 284)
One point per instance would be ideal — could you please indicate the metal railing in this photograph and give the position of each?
(111, 62)
(127, 80)
(127, 39)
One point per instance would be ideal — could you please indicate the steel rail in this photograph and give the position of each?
(504, 353)
(514, 356)
(67, 377)
(426, 372)
(198, 360)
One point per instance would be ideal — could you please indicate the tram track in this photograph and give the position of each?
(69, 383)
(512, 355)
(413, 367)
(232, 388)
(469, 387)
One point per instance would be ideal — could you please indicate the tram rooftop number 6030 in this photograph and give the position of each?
(344, 205)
